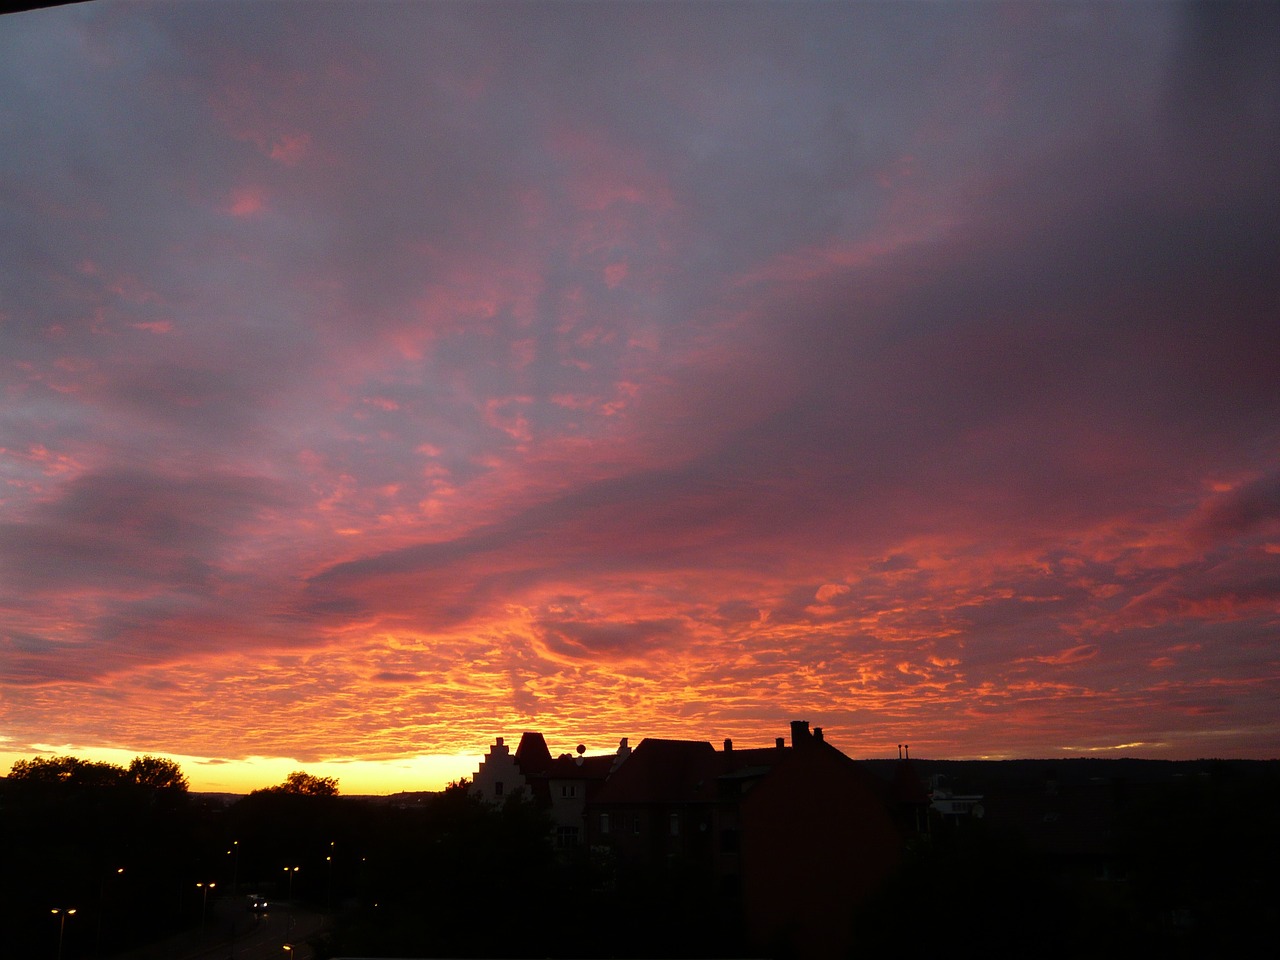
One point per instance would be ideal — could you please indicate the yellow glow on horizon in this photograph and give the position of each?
(211, 775)
(1106, 747)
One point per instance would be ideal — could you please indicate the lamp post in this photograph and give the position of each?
(102, 907)
(62, 913)
(234, 854)
(204, 906)
(290, 871)
(329, 875)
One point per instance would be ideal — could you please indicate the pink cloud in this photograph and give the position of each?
(246, 202)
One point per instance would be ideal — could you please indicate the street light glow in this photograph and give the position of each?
(62, 913)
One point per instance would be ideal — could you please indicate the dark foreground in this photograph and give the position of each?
(1066, 859)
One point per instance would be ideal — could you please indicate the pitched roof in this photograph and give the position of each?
(663, 771)
(532, 756)
(692, 771)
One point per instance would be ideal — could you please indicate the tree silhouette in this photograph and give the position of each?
(111, 842)
(301, 783)
(158, 773)
(70, 770)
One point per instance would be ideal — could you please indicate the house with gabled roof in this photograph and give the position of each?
(656, 806)
(500, 775)
(563, 784)
(790, 838)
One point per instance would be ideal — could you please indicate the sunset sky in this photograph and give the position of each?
(382, 378)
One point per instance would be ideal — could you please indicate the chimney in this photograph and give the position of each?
(799, 732)
(728, 745)
(624, 751)
(780, 742)
(817, 734)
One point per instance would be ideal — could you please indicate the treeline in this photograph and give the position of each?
(108, 841)
(125, 846)
(446, 875)
(157, 773)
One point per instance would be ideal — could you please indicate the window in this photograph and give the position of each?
(566, 837)
(635, 824)
(675, 824)
(604, 823)
(568, 790)
(497, 788)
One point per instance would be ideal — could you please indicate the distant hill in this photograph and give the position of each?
(979, 775)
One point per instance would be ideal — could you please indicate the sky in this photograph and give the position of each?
(379, 379)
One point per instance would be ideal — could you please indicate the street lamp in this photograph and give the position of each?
(204, 906)
(62, 913)
(290, 871)
(102, 907)
(234, 854)
(329, 876)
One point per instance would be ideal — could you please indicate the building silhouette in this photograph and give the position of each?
(778, 845)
